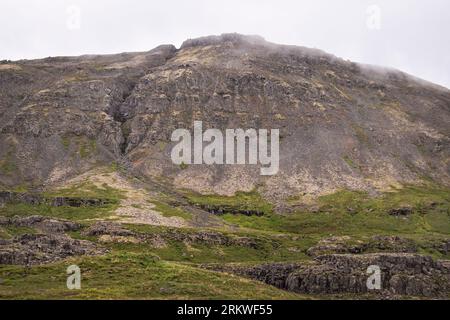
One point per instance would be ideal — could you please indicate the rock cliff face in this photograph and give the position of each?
(400, 274)
(342, 125)
(48, 245)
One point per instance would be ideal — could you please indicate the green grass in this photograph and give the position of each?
(242, 200)
(69, 213)
(169, 211)
(202, 253)
(88, 190)
(138, 270)
(130, 276)
(7, 164)
(270, 247)
(82, 190)
(199, 253)
(9, 231)
(7, 167)
(356, 213)
(65, 142)
(420, 198)
(116, 167)
(87, 147)
(350, 162)
(351, 213)
(183, 166)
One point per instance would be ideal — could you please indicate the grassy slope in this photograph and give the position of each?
(130, 276)
(139, 271)
(355, 213)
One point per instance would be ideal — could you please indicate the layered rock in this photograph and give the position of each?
(346, 244)
(36, 199)
(116, 232)
(401, 274)
(43, 224)
(30, 249)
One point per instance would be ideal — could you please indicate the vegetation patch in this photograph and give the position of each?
(241, 203)
(7, 164)
(131, 276)
(350, 162)
(65, 212)
(356, 213)
(87, 189)
(65, 142)
(10, 231)
(169, 271)
(170, 211)
(87, 147)
(361, 135)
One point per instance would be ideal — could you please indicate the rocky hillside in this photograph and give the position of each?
(86, 177)
(342, 125)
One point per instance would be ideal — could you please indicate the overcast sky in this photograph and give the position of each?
(411, 35)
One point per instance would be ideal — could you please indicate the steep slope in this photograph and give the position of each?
(342, 125)
(59, 115)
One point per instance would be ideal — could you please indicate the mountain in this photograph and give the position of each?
(342, 124)
(86, 176)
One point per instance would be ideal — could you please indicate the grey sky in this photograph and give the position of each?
(411, 35)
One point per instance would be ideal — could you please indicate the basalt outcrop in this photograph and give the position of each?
(48, 243)
(7, 197)
(30, 249)
(43, 224)
(401, 274)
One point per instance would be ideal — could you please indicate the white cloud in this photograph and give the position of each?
(411, 35)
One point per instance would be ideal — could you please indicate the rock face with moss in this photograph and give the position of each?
(400, 274)
(48, 244)
(37, 199)
(342, 124)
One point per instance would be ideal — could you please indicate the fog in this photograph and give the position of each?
(410, 35)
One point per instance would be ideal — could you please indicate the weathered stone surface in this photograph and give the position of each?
(43, 224)
(443, 247)
(116, 233)
(219, 210)
(48, 245)
(36, 199)
(210, 238)
(341, 245)
(336, 245)
(274, 274)
(401, 274)
(404, 211)
(107, 228)
(32, 249)
(392, 244)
